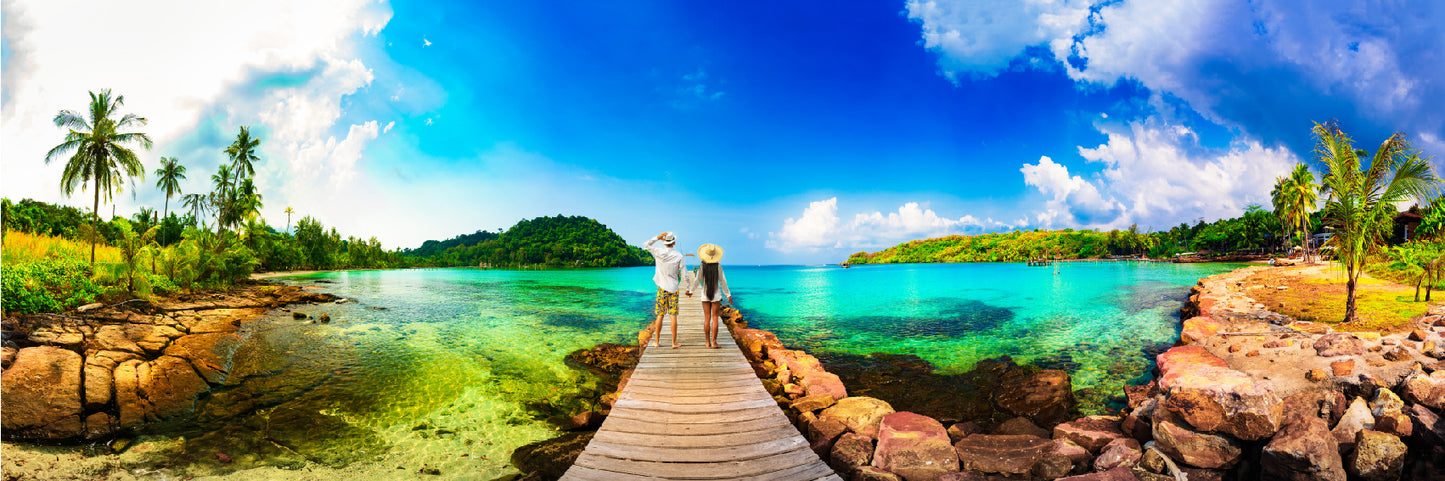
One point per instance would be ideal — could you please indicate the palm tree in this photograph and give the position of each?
(199, 204)
(243, 154)
(100, 155)
(1361, 203)
(288, 218)
(169, 176)
(1294, 196)
(222, 195)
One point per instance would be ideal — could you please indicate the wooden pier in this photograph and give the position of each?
(696, 413)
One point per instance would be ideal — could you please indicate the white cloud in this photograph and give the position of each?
(983, 37)
(819, 227)
(281, 67)
(425, 43)
(388, 127)
(1156, 175)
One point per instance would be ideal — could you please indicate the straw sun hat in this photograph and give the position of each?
(709, 253)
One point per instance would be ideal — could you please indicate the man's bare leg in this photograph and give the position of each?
(656, 332)
(675, 345)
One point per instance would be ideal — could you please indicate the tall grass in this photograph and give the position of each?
(21, 247)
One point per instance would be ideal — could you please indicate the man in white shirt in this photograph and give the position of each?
(670, 268)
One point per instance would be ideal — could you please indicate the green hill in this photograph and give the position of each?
(561, 241)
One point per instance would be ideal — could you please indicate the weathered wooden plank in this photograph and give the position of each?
(702, 397)
(681, 454)
(718, 470)
(690, 418)
(736, 438)
(625, 403)
(623, 424)
(691, 390)
(707, 383)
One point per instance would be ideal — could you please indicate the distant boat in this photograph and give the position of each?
(845, 265)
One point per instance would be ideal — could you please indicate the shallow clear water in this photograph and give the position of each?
(449, 368)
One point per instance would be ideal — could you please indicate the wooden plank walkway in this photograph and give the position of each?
(696, 413)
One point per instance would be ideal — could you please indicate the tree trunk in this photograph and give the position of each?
(1419, 281)
(1350, 297)
(95, 226)
(163, 220)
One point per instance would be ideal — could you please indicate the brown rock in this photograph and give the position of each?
(585, 421)
(1235, 348)
(113, 338)
(1251, 353)
(1092, 432)
(812, 403)
(1377, 456)
(1137, 394)
(1356, 417)
(914, 447)
(42, 394)
(860, 414)
(1418, 335)
(1427, 389)
(962, 430)
(7, 356)
(870, 473)
(1338, 344)
(823, 433)
(209, 353)
(850, 451)
(1007, 454)
(1020, 425)
(823, 383)
(1197, 328)
(1045, 397)
(130, 406)
(151, 337)
(794, 390)
(99, 425)
(773, 387)
(1399, 353)
(1123, 452)
(1053, 466)
(1429, 427)
(1396, 424)
(1302, 451)
(1078, 456)
(1211, 397)
(1198, 449)
(800, 363)
(1343, 368)
(754, 341)
(1316, 375)
(170, 386)
(1136, 428)
(1116, 474)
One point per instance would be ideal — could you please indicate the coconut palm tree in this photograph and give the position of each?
(198, 204)
(1361, 199)
(221, 196)
(99, 153)
(1294, 196)
(288, 218)
(243, 154)
(168, 180)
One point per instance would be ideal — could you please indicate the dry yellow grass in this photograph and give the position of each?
(22, 247)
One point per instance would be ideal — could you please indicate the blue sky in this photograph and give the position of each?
(787, 132)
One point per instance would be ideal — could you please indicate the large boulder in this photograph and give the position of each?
(165, 389)
(822, 383)
(1356, 417)
(1092, 432)
(1002, 453)
(1122, 452)
(1211, 397)
(861, 414)
(1197, 328)
(1429, 427)
(1339, 344)
(42, 394)
(1303, 451)
(1046, 397)
(822, 433)
(914, 446)
(1377, 456)
(850, 451)
(1204, 450)
(1021, 425)
(800, 364)
(99, 365)
(755, 343)
(1427, 389)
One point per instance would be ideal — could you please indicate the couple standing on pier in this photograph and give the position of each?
(671, 270)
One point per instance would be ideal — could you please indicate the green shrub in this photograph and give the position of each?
(47, 285)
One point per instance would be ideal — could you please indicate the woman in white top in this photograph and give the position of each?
(715, 288)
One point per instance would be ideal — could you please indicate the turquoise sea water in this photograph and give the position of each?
(450, 368)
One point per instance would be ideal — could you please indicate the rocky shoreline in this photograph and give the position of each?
(139, 366)
(1246, 394)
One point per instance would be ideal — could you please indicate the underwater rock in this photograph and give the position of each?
(210, 353)
(1021, 425)
(552, 457)
(1046, 397)
(42, 394)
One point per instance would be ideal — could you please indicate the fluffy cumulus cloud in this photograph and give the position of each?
(1156, 176)
(820, 228)
(196, 70)
(1266, 67)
